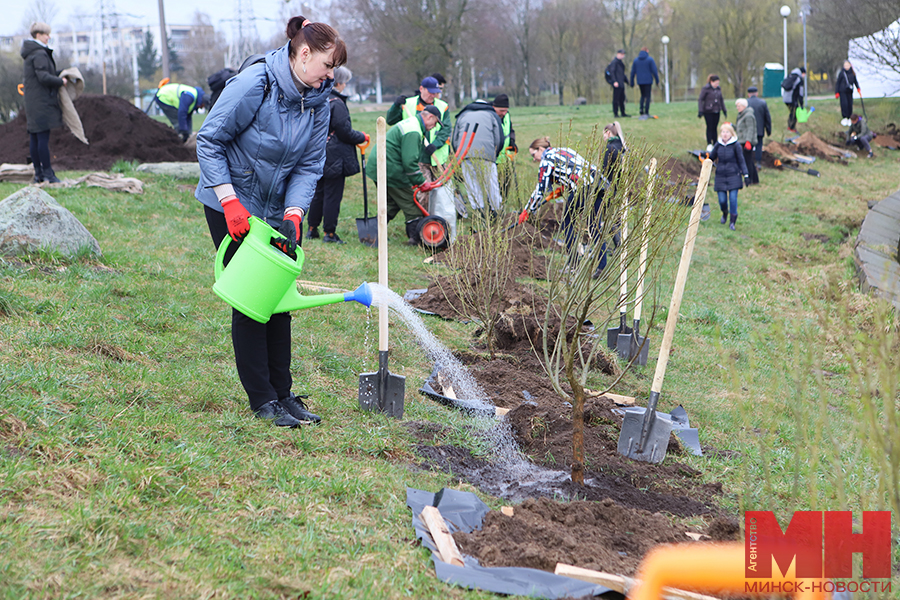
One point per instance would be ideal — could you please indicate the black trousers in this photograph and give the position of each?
(39, 146)
(759, 145)
(792, 116)
(712, 124)
(751, 166)
(262, 351)
(326, 203)
(646, 89)
(846, 104)
(619, 100)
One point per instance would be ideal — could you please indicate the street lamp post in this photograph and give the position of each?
(785, 12)
(665, 42)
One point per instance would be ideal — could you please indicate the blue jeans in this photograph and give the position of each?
(728, 201)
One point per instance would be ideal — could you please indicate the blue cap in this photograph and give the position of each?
(431, 84)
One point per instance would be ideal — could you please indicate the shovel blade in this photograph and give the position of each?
(640, 348)
(654, 448)
(614, 334)
(368, 231)
(389, 403)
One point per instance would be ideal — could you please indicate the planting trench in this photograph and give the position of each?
(625, 508)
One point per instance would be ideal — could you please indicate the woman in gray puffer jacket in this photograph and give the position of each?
(261, 151)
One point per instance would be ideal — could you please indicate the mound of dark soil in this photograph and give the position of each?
(116, 130)
(682, 171)
(603, 536)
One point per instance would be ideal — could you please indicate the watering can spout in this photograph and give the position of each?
(362, 294)
(293, 300)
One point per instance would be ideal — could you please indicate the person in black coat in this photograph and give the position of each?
(844, 82)
(340, 162)
(763, 120)
(615, 76)
(709, 105)
(731, 172)
(42, 112)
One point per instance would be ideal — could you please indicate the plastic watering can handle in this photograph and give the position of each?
(220, 256)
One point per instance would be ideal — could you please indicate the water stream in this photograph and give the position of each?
(506, 456)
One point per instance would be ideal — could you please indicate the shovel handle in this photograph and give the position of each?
(666, 346)
(381, 172)
(623, 262)
(645, 239)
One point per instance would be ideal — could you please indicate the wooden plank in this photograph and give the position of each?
(617, 398)
(507, 510)
(621, 400)
(621, 584)
(446, 546)
(613, 582)
(499, 412)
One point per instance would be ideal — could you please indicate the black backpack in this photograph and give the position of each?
(216, 83)
(609, 75)
(789, 82)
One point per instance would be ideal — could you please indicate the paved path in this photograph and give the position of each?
(877, 249)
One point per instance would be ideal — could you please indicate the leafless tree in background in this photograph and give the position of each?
(204, 51)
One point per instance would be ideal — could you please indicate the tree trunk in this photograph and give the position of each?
(577, 425)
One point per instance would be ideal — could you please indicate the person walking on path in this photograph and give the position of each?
(436, 151)
(792, 95)
(844, 82)
(644, 70)
(42, 111)
(746, 137)
(479, 167)
(179, 102)
(340, 162)
(615, 76)
(403, 146)
(261, 150)
(730, 172)
(763, 121)
(860, 134)
(709, 105)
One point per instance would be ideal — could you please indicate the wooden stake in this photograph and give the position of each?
(447, 549)
(381, 173)
(507, 510)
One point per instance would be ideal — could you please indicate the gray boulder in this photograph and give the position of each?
(31, 219)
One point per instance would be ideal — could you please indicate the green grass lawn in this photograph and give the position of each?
(130, 465)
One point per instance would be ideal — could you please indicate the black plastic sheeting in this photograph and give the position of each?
(466, 406)
(463, 511)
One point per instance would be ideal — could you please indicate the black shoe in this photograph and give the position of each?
(332, 238)
(50, 176)
(298, 410)
(274, 411)
(37, 179)
(312, 233)
(624, 116)
(732, 223)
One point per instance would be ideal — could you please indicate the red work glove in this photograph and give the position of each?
(427, 186)
(523, 216)
(748, 146)
(837, 95)
(290, 229)
(236, 217)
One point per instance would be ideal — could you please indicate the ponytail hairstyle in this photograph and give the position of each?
(616, 129)
(712, 77)
(542, 143)
(319, 37)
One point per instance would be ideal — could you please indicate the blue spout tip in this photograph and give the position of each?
(362, 294)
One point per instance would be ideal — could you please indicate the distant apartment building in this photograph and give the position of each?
(87, 48)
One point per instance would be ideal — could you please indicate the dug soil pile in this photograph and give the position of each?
(603, 536)
(681, 172)
(116, 130)
(812, 145)
(889, 137)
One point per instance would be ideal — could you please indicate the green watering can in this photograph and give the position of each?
(260, 280)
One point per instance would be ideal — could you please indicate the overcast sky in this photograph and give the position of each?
(179, 12)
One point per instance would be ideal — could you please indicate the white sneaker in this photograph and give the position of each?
(709, 147)
(845, 122)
